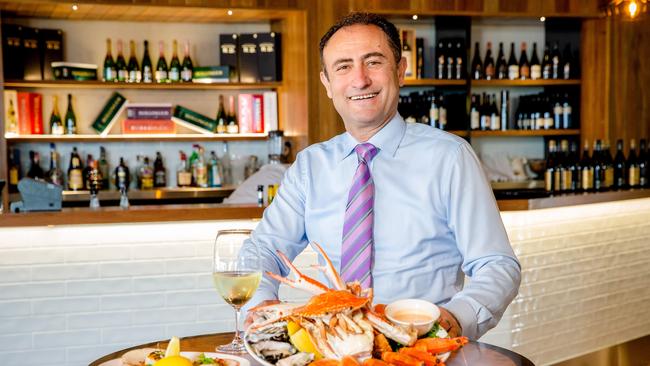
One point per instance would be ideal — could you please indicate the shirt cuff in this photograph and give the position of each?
(466, 316)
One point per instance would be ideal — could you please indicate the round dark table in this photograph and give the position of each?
(473, 353)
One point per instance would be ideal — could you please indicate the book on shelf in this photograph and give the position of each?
(251, 113)
(29, 113)
(193, 120)
(270, 111)
(148, 126)
(149, 111)
(211, 74)
(109, 114)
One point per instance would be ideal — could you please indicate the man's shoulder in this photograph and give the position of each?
(420, 134)
(323, 148)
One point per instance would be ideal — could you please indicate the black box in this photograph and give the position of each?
(31, 55)
(12, 51)
(228, 45)
(51, 44)
(270, 56)
(248, 55)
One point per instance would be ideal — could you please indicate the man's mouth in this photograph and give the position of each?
(363, 96)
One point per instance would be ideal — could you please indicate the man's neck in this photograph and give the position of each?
(363, 134)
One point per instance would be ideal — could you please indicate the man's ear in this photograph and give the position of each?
(401, 70)
(326, 84)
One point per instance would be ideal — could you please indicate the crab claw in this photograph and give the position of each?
(300, 281)
(406, 337)
(328, 268)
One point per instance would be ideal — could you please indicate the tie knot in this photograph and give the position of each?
(365, 152)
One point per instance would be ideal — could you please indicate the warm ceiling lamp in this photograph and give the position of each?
(627, 9)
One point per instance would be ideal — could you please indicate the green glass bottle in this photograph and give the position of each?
(120, 64)
(135, 76)
(175, 65)
(187, 69)
(110, 74)
(56, 124)
(70, 119)
(162, 75)
(147, 67)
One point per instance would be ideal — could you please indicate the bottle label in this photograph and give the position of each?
(546, 72)
(566, 116)
(566, 180)
(548, 180)
(161, 75)
(13, 177)
(174, 75)
(201, 176)
(524, 72)
(160, 179)
(633, 176)
(57, 129)
(485, 122)
(109, 74)
(443, 118)
(535, 72)
(135, 76)
(75, 180)
(513, 72)
(495, 122)
(122, 75)
(587, 179)
(609, 177)
(186, 75)
(475, 121)
(184, 179)
(567, 71)
(147, 76)
(433, 116)
(409, 63)
(146, 182)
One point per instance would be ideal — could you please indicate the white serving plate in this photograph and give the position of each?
(191, 356)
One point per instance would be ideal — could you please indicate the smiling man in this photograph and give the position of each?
(405, 209)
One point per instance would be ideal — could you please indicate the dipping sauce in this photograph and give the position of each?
(413, 317)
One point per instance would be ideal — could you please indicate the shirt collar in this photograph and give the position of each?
(386, 140)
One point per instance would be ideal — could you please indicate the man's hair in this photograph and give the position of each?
(365, 19)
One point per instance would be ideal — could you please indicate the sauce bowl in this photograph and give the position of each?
(420, 314)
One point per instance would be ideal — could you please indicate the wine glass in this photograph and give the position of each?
(236, 276)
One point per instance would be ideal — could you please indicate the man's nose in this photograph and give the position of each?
(360, 77)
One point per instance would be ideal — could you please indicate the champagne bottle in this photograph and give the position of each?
(187, 68)
(55, 174)
(574, 167)
(620, 167)
(135, 75)
(120, 64)
(162, 75)
(535, 66)
(70, 118)
(233, 126)
(633, 168)
(547, 64)
(477, 65)
(502, 65)
(524, 66)
(513, 67)
(488, 65)
(565, 173)
(222, 120)
(147, 67)
(102, 166)
(12, 119)
(175, 65)
(407, 53)
(56, 124)
(122, 176)
(110, 73)
(555, 61)
(586, 170)
(159, 172)
(75, 172)
(35, 171)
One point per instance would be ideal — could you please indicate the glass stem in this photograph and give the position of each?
(237, 314)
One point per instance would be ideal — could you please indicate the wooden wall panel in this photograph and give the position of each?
(4, 166)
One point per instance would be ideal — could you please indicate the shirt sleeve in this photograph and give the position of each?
(488, 260)
(282, 228)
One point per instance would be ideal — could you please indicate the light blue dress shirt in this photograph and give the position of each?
(436, 220)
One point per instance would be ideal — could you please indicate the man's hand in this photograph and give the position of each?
(448, 321)
(249, 315)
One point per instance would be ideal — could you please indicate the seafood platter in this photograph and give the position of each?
(339, 326)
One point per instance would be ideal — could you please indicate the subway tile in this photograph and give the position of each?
(98, 287)
(34, 357)
(193, 297)
(99, 320)
(97, 254)
(215, 312)
(64, 339)
(32, 324)
(194, 265)
(15, 308)
(66, 305)
(64, 272)
(133, 335)
(31, 290)
(163, 283)
(131, 269)
(158, 251)
(20, 274)
(15, 342)
(191, 329)
(164, 316)
(14, 257)
(86, 354)
(132, 301)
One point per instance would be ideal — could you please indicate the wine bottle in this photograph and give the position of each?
(567, 119)
(146, 175)
(644, 172)
(440, 61)
(633, 168)
(175, 65)
(565, 168)
(70, 118)
(488, 65)
(226, 160)
(567, 61)
(505, 107)
(555, 61)
(102, 166)
(110, 73)
(75, 172)
(90, 162)
(586, 170)
(135, 75)
(433, 111)
(233, 125)
(502, 65)
(485, 113)
(407, 53)
(477, 64)
(535, 66)
(600, 167)
(55, 174)
(15, 171)
(215, 171)
(524, 66)
(56, 124)
(620, 167)
(94, 181)
(547, 64)
(608, 166)
(574, 168)
(187, 69)
(442, 113)
(495, 117)
(35, 171)
(162, 75)
(159, 172)
(549, 174)
(222, 119)
(183, 174)
(122, 176)
(460, 64)
(513, 66)
(200, 169)
(120, 64)
(475, 118)
(147, 66)
(450, 61)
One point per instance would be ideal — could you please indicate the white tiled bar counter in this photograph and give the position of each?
(69, 294)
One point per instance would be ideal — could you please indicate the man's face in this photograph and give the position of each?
(362, 78)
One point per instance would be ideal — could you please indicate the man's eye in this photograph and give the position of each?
(342, 67)
(374, 63)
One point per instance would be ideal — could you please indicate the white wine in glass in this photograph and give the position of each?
(236, 276)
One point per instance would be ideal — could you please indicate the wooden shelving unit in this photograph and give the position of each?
(434, 82)
(538, 82)
(461, 133)
(139, 137)
(525, 133)
(71, 84)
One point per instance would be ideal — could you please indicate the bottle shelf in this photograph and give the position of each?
(149, 194)
(538, 82)
(461, 133)
(561, 132)
(139, 137)
(72, 84)
(434, 82)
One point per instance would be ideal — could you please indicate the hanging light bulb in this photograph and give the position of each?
(632, 9)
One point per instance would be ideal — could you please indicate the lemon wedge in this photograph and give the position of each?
(173, 348)
(303, 343)
(292, 327)
(173, 361)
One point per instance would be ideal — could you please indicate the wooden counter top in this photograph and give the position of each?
(154, 213)
(572, 199)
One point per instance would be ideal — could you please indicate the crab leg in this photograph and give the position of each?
(300, 281)
(328, 268)
(406, 337)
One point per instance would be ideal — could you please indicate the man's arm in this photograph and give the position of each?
(488, 258)
(282, 229)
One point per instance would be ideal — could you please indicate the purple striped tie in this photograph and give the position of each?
(357, 247)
